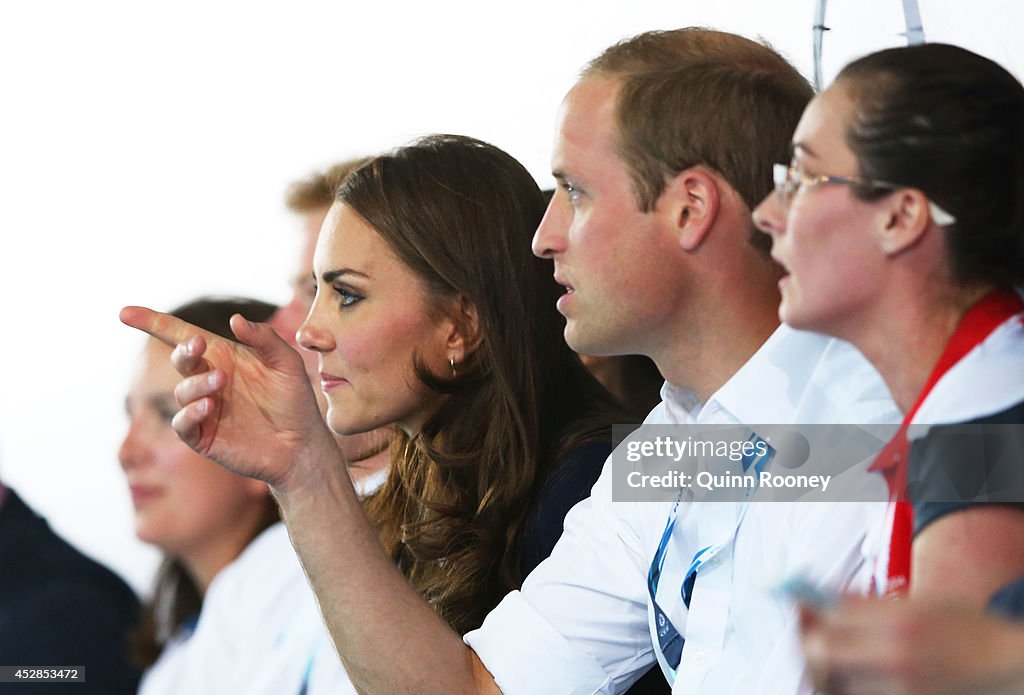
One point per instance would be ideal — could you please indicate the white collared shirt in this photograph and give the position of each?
(580, 623)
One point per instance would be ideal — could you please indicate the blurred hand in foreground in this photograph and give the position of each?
(907, 647)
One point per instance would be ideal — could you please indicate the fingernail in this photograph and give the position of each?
(212, 379)
(204, 407)
(189, 347)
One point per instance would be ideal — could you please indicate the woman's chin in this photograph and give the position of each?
(344, 426)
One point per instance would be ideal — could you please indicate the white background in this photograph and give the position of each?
(145, 148)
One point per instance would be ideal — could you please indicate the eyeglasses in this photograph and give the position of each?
(788, 180)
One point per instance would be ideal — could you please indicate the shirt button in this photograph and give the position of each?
(699, 658)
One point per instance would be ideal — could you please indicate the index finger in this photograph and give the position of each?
(168, 329)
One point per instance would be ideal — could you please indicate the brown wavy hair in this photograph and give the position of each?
(461, 213)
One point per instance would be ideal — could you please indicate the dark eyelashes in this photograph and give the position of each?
(346, 297)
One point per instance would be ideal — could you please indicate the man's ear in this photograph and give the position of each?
(464, 334)
(691, 200)
(906, 218)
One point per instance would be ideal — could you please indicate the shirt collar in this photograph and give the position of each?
(783, 366)
(989, 379)
(681, 404)
(371, 483)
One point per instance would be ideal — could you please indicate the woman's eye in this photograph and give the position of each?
(347, 298)
(165, 408)
(167, 413)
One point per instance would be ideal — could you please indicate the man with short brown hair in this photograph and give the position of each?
(662, 149)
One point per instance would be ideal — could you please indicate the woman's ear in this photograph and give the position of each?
(464, 333)
(907, 217)
(691, 200)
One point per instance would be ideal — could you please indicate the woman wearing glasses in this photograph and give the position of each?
(900, 224)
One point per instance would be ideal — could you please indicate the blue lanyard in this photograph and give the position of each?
(670, 641)
(304, 690)
(305, 680)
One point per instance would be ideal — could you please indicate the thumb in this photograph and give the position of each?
(269, 347)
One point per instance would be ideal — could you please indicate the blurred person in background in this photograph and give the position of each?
(915, 647)
(200, 516)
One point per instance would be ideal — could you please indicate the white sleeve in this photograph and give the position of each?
(579, 624)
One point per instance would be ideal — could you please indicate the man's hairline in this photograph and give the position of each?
(617, 81)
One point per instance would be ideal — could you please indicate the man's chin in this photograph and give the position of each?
(584, 342)
(574, 337)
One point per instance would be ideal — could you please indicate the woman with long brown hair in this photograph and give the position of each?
(431, 313)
